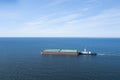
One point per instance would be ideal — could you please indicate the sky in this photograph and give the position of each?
(60, 18)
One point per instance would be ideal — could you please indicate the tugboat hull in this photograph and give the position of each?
(89, 54)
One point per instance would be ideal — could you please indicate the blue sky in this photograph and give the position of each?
(59, 18)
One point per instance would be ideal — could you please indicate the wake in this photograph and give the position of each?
(108, 54)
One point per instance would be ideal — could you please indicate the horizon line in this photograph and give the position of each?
(57, 37)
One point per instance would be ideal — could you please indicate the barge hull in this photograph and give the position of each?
(60, 53)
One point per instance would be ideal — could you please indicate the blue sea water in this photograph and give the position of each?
(20, 59)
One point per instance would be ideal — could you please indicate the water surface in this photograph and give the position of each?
(20, 59)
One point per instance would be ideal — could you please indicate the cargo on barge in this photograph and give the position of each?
(69, 52)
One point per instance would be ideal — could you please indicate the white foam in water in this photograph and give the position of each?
(109, 54)
(101, 54)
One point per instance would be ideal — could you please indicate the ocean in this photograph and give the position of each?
(20, 59)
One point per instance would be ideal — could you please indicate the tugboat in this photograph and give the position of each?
(85, 52)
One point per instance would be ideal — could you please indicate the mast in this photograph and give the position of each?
(85, 50)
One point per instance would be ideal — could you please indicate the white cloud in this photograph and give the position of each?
(56, 2)
(91, 1)
(99, 25)
(7, 15)
(53, 3)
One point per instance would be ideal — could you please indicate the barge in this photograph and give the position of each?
(69, 52)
